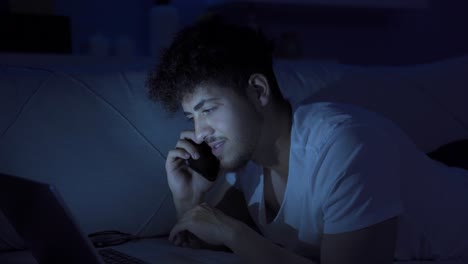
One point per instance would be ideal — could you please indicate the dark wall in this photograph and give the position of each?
(348, 35)
(365, 36)
(114, 19)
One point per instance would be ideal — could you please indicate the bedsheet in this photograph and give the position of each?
(158, 251)
(161, 251)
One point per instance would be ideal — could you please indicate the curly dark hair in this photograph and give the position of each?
(211, 51)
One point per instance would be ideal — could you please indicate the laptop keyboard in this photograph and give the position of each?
(111, 256)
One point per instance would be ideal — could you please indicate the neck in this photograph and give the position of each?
(275, 140)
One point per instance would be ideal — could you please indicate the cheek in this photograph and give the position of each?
(225, 124)
(236, 123)
(244, 125)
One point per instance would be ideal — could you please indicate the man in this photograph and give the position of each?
(324, 182)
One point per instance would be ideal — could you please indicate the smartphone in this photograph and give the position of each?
(207, 164)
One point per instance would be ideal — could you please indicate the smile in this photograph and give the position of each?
(218, 148)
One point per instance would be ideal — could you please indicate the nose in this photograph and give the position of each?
(202, 130)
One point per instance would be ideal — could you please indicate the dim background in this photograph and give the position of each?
(364, 34)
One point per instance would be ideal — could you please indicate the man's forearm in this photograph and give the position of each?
(183, 206)
(254, 248)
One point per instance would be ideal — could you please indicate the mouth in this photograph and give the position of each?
(217, 147)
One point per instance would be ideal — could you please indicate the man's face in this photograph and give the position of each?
(227, 121)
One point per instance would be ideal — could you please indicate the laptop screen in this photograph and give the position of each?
(39, 215)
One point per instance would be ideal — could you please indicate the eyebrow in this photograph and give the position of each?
(200, 104)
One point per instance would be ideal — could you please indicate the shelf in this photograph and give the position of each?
(66, 62)
(335, 3)
(307, 12)
(293, 13)
(35, 33)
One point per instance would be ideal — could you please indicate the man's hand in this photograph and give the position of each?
(187, 186)
(208, 224)
(218, 229)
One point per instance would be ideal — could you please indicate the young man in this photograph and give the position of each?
(324, 182)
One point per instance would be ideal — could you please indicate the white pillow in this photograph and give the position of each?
(426, 101)
(301, 79)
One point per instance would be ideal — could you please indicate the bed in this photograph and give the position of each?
(86, 125)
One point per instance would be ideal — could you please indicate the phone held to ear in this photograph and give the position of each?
(207, 164)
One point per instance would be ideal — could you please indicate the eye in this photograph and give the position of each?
(209, 110)
(189, 119)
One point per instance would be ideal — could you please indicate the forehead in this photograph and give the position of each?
(203, 92)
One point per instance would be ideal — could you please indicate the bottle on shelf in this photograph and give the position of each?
(164, 24)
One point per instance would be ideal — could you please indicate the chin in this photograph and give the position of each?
(233, 164)
(232, 167)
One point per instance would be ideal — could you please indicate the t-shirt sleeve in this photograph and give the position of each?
(363, 167)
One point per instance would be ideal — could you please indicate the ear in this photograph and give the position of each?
(259, 88)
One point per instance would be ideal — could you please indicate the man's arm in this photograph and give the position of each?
(231, 202)
(370, 245)
(253, 248)
(373, 244)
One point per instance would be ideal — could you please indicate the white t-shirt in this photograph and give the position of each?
(350, 168)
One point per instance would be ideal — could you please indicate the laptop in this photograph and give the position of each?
(40, 216)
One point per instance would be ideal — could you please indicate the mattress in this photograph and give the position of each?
(160, 251)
